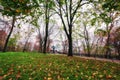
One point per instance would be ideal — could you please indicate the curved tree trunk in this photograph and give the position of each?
(8, 37)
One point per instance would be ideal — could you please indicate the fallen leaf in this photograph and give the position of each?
(45, 78)
(1, 77)
(18, 75)
(10, 79)
(109, 77)
(49, 78)
(4, 76)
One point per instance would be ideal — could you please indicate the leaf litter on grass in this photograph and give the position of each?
(33, 66)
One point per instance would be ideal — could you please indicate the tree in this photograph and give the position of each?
(117, 41)
(14, 8)
(48, 5)
(6, 42)
(11, 44)
(106, 10)
(44, 9)
(67, 10)
(84, 28)
(100, 35)
(4, 25)
(107, 16)
(27, 37)
(40, 39)
(87, 40)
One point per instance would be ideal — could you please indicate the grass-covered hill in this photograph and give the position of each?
(36, 66)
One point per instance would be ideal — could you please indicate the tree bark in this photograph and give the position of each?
(88, 50)
(119, 54)
(40, 41)
(46, 38)
(70, 25)
(87, 41)
(8, 37)
(108, 52)
(46, 27)
(70, 50)
(24, 48)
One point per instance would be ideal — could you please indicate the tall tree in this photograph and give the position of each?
(14, 8)
(45, 10)
(48, 5)
(67, 10)
(27, 37)
(47, 18)
(116, 41)
(106, 10)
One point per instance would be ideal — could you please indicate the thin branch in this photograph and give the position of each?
(74, 12)
(62, 19)
(78, 6)
(67, 11)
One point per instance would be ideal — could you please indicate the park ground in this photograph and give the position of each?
(38, 66)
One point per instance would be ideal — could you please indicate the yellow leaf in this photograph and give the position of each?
(100, 76)
(17, 10)
(49, 78)
(45, 78)
(30, 78)
(10, 79)
(58, 77)
(49, 74)
(4, 75)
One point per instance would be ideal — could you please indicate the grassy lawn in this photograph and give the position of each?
(34, 66)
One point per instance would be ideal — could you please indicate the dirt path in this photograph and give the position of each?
(101, 59)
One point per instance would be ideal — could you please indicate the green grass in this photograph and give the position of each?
(34, 66)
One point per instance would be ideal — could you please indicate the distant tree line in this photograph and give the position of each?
(78, 17)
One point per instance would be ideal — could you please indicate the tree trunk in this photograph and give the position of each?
(88, 49)
(24, 48)
(40, 42)
(108, 52)
(45, 43)
(8, 37)
(118, 52)
(86, 34)
(70, 50)
(46, 38)
(46, 28)
(40, 46)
